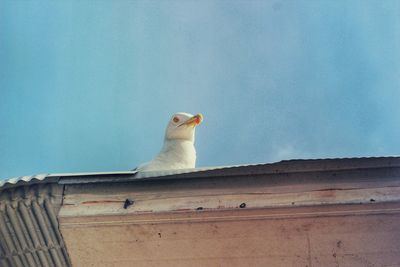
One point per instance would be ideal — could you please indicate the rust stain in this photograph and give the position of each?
(183, 210)
(101, 201)
(144, 211)
(331, 193)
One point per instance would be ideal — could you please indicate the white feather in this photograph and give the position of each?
(178, 151)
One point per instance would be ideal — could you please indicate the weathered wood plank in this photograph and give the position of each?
(91, 205)
(357, 239)
(319, 218)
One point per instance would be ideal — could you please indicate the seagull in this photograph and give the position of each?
(178, 151)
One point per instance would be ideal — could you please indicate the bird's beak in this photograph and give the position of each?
(193, 121)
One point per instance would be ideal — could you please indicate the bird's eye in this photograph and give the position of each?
(176, 119)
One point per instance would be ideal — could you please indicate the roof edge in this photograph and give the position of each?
(281, 167)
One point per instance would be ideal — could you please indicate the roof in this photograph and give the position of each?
(285, 166)
(32, 208)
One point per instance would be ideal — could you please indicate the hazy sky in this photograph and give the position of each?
(90, 85)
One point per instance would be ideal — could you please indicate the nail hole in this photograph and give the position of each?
(199, 208)
(372, 200)
(243, 205)
(128, 202)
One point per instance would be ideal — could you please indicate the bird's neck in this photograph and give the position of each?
(177, 145)
(178, 154)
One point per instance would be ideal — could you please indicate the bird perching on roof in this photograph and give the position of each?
(178, 151)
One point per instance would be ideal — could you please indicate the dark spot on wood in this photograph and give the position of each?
(199, 208)
(339, 244)
(128, 202)
(159, 235)
(243, 205)
(372, 200)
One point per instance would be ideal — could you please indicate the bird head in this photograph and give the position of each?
(182, 126)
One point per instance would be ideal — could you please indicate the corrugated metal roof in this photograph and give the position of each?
(286, 166)
(16, 181)
(29, 228)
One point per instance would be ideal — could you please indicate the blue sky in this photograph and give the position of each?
(90, 85)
